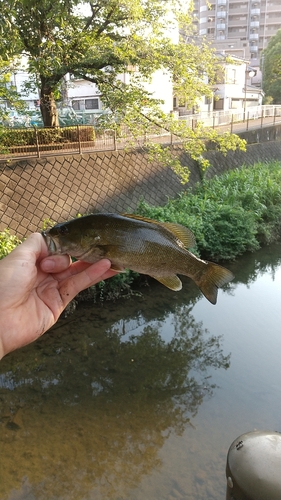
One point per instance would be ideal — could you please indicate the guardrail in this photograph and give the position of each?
(216, 119)
(37, 142)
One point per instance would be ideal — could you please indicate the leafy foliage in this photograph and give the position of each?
(7, 242)
(27, 137)
(8, 92)
(230, 214)
(272, 69)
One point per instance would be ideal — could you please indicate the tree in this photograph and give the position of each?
(99, 40)
(272, 69)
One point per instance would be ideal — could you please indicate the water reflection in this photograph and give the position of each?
(86, 410)
(100, 407)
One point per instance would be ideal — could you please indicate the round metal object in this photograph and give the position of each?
(253, 468)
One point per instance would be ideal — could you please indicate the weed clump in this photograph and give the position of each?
(229, 214)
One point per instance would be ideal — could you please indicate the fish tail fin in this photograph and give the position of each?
(211, 278)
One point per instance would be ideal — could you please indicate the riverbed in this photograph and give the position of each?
(142, 398)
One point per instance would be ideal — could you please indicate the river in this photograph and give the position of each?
(142, 398)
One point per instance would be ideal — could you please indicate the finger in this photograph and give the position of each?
(55, 263)
(109, 274)
(71, 286)
(35, 244)
(32, 249)
(78, 267)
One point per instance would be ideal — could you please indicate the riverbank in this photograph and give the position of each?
(236, 212)
(231, 214)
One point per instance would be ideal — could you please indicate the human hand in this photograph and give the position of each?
(35, 288)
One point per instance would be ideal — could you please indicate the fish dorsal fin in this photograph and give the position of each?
(172, 282)
(181, 232)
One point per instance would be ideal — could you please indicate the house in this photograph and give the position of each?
(233, 89)
(83, 98)
(86, 100)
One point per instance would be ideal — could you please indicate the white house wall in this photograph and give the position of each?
(160, 87)
(81, 88)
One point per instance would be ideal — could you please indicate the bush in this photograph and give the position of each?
(230, 214)
(7, 242)
(13, 137)
(17, 137)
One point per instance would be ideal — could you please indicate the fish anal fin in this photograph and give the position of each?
(182, 233)
(172, 282)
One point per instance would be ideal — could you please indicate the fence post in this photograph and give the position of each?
(114, 141)
(214, 120)
(79, 141)
(37, 142)
(275, 109)
(262, 113)
(231, 124)
(247, 127)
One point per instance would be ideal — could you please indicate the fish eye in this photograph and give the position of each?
(63, 230)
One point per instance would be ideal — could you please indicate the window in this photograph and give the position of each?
(82, 104)
(231, 75)
(218, 104)
(78, 105)
(91, 104)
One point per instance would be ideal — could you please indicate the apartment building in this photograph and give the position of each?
(239, 27)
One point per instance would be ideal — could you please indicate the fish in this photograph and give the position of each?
(147, 246)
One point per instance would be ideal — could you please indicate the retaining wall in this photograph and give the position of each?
(59, 187)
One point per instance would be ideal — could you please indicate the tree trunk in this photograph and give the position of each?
(48, 107)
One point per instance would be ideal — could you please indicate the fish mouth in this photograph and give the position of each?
(52, 247)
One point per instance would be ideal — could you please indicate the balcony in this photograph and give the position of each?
(255, 12)
(254, 36)
(254, 48)
(221, 2)
(254, 24)
(237, 23)
(221, 26)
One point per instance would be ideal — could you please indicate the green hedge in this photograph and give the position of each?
(11, 137)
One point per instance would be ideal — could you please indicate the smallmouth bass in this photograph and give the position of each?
(146, 246)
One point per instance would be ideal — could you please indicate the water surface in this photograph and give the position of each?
(142, 398)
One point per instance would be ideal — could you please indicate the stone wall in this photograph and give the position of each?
(59, 187)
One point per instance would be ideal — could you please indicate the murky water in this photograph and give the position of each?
(142, 398)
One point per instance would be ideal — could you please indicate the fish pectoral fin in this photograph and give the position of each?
(172, 282)
(184, 234)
